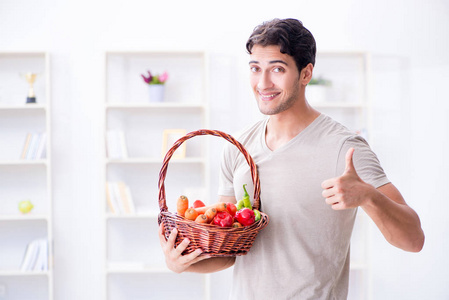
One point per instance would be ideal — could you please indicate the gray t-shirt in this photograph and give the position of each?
(303, 253)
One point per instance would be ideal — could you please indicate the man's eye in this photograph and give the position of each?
(278, 70)
(254, 69)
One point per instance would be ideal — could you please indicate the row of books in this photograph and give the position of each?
(119, 198)
(116, 144)
(34, 146)
(36, 256)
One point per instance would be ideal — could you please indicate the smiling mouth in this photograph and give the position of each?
(268, 97)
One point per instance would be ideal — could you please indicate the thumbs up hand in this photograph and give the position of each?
(347, 190)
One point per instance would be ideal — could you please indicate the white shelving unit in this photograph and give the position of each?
(135, 265)
(348, 100)
(24, 179)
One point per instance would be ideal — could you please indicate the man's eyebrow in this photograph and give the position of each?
(271, 62)
(278, 62)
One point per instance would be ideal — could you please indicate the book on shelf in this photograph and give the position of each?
(36, 256)
(119, 198)
(34, 146)
(116, 144)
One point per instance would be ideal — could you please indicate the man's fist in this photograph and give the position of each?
(347, 190)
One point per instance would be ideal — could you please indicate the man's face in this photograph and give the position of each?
(274, 79)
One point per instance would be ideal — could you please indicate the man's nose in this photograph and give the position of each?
(265, 81)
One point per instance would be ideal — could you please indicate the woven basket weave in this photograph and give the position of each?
(215, 241)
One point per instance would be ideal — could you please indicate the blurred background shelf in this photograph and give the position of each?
(131, 251)
(25, 179)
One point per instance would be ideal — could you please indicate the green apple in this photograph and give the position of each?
(25, 206)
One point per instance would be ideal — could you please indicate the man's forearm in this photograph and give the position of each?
(399, 223)
(212, 265)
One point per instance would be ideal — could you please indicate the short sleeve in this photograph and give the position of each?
(226, 177)
(365, 161)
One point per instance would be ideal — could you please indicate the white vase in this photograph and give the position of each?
(156, 92)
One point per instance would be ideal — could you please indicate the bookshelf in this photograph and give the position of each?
(134, 264)
(24, 175)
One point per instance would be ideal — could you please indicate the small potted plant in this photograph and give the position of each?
(316, 90)
(156, 85)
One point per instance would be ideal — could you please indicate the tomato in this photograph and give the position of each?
(198, 203)
(232, 209)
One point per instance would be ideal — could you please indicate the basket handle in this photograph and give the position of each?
(249, 160)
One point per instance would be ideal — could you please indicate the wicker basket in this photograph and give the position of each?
(213, 240)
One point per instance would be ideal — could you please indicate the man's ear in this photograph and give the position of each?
(306, 74)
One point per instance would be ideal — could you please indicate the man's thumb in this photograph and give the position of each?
(349, 163)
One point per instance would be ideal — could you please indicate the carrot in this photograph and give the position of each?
(219, 206)
(210, 214)
(202, 219)
(182, 205)
(191, 214)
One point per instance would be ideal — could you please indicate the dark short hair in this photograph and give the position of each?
(293, 38)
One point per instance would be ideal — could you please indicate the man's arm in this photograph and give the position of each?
(398, 222)
(192, 262)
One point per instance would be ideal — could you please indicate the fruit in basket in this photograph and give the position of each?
(257, 215)
(198, 203)
(245, 216)
(219, 206)
(202, 219)
(25, 206)
(210, 214)
(232, 209)
(223, 219)
(182, 205)
(191, 214)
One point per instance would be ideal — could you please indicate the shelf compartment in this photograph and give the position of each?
(14, 88)
(185, 83)
(142, 179)
(12, 141)
(134, 239)
(139, 286)
(24, 182)
(26, 286)
(347, 73)
(143, 130)
(15, 235)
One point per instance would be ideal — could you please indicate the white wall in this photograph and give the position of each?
(414, 35)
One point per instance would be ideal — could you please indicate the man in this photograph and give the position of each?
(302, 156)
